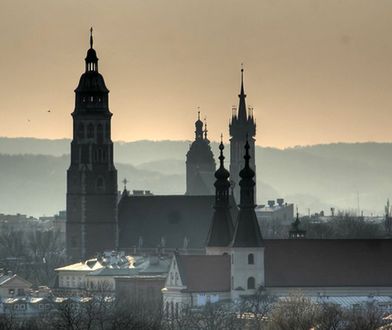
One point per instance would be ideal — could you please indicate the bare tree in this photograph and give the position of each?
(295, 312)
(364, 317)
(256, 308)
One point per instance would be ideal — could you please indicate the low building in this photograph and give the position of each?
(278, 211)
(146, 281)
(73, 278)
(12, 285)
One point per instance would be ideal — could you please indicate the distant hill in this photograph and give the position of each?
(33, 173)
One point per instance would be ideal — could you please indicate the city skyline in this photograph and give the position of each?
(319, 76)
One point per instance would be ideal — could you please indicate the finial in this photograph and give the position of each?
(242, 74)
(198, 113)
(91, 37)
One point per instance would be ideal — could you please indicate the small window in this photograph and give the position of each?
(251, 283)
(251, 259)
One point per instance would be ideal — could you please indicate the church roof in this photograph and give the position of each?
(328, 263)
(221, 230)
(172, 217)
(201, 273)
(247, 231)
(91, 81)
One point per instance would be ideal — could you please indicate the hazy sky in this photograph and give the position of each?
(316, 71)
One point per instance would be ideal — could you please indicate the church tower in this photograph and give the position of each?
(247, 247)
(200, 163)
(242, 127)
(221, 228)
(91, 225)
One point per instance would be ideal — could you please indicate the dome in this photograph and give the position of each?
(91, 81)
(91, 56)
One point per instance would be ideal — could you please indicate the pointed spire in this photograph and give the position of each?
(91, 37)
(247, 232)
(221, 229)
(242, 116)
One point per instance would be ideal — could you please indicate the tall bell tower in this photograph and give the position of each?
(91, 225)
(242, 129)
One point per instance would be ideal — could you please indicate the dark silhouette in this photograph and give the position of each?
(92, 177)
(200, 163)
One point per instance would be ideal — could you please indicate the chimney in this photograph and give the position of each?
(280, 201)
(271, 203)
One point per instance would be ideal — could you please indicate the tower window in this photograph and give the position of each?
(251, 283)
(251, 259)
(90, 131)
(91, 98)
(100, 133)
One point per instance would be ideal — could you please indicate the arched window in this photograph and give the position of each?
(100, 133)
(251, 283)
(251, 259)
(90, 131)
(81, 131)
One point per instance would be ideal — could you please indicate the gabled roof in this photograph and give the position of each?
(88, 265)
(7, 279)
(328, 263)
(205, 273)
(172, 217)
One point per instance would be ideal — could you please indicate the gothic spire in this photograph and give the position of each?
(242, 116)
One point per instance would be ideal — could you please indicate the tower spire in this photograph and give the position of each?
(198, 127)
(247, 232)
(221, 229)
(91, 58)
(242, 116)
(91, 37)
